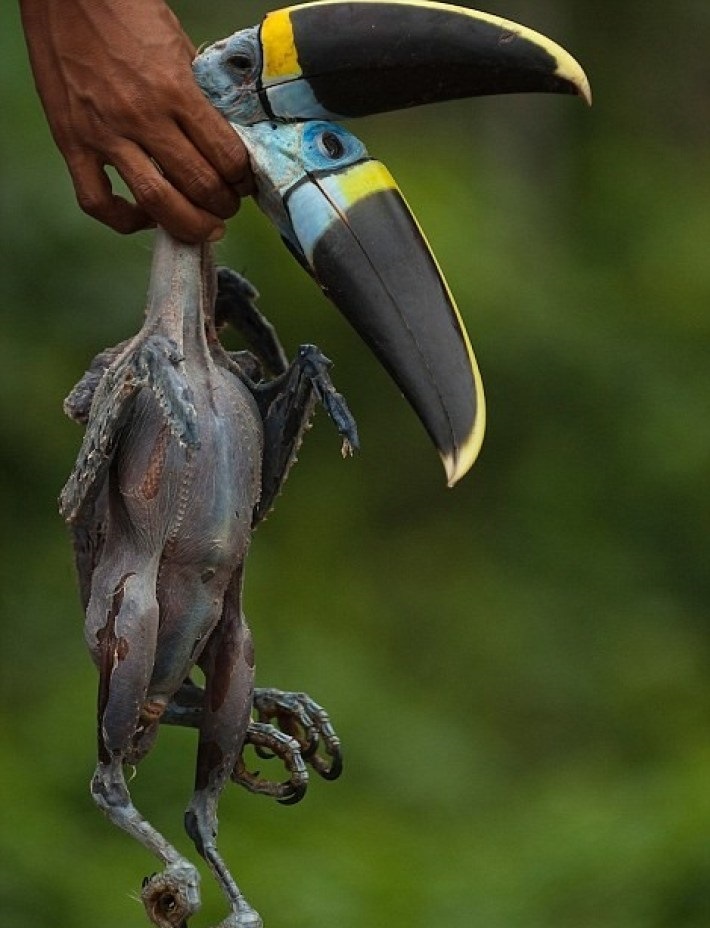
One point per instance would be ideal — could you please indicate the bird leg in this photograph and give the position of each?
(228, 665)
(302, 725)
(123, 611)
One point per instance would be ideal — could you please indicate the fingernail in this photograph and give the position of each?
(216, 234)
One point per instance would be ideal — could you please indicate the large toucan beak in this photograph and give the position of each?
(348, 224)
(346, 58)
(341, 212)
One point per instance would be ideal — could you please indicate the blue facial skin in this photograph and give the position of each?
(286, 155)
(227, 73)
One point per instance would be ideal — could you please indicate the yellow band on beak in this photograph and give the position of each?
(279, 48)
(359, 181)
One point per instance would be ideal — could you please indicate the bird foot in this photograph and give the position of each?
(300, 717)
(172, 896)
(245, 917)
(300, 726)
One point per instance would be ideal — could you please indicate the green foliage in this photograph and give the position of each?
(518, 667)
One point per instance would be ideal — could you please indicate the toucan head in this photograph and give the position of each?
(338, 59)
(282, 84)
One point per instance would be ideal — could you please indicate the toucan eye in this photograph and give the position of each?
(240, 62)
(331, 145)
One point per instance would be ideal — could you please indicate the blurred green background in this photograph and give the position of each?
(519, 668)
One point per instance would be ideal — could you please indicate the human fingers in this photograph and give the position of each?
(159, 199)
(96, 197)
(216, 140)
(156, 200)
(192, 174)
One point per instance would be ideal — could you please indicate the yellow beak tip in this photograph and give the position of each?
(585, 91)
(571, 71)
(457, 465)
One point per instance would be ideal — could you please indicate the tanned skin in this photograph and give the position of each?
(116, 84)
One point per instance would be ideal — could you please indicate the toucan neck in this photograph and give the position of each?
(181, 293)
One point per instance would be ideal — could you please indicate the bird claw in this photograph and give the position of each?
(303, 726)
(280, 745)
(299, 716)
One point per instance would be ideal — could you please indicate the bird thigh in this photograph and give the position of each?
(121, 631)
(191, 603)
(228, 666)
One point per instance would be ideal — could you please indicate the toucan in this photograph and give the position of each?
(285, 85)
(187, 445)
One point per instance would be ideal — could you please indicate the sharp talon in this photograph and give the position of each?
(297, 794)
(262, 754)
(335, 769)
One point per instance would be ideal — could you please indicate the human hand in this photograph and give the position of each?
(116, 84)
